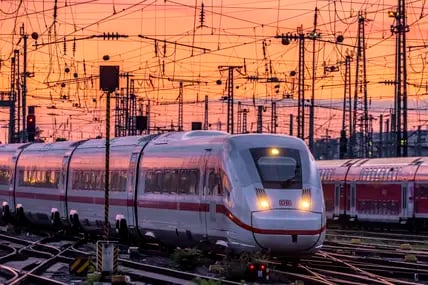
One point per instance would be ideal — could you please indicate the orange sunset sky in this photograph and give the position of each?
(180, 44)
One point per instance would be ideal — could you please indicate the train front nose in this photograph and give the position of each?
(288, 231)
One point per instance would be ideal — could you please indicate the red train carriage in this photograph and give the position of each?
(336, 190)
(421, 193)
(382, 190)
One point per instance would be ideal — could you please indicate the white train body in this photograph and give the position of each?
(247, 192)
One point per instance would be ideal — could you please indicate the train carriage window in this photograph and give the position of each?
(170, 181)
(38, 178)
(4, 176)
(113, 179)
(122, 180)
(278, 168)
(153, 181)
(148, 182)
(214, 182)
(188, 181)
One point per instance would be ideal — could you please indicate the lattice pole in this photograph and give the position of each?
(360, 95)
(400, 92)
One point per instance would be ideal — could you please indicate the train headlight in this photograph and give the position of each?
(305, 204)
(274, 151)
(264, 203)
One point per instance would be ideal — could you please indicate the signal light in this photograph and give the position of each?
(31, 127)
(252, 267)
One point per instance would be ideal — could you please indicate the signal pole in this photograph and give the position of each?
(109, 82)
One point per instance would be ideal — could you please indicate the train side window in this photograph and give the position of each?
(123, 178)
(148, 184)
(4, 176)
(183, 184)
(170, 181)
(193, 180)
(114, 181)
(213, 182)
(188, 181)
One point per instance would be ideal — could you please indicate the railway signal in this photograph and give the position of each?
(31, 127)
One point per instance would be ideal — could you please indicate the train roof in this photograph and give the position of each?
(195, 138)
(172, 138)
(388, 162)
(65, 145)
(117, 141)
(336, 163)
(12, 147)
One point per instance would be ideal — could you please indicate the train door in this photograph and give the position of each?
(206, 208)
(211, 195)
(338, 190)
(352, 201)
(63, 210)
(12, 186)
(407, 200)
(131, 189)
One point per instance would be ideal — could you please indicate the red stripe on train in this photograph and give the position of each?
(172, 205)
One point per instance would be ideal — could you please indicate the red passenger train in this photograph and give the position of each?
(383, 190)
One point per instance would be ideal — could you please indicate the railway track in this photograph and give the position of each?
(342, 261)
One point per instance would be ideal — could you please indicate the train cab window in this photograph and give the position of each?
(278, 168)
(226, 186)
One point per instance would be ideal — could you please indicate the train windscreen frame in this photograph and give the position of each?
(278, 168)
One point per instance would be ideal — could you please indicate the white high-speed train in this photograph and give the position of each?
(247, 192)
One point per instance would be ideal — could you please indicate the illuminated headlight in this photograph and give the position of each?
(305, 204)
(264, 203)
(274, 151)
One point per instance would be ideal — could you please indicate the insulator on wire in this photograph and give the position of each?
(74, 46)
(55, 10)
(202, 15)
(65, 46)
(156, 48)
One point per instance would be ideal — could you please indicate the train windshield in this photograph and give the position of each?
(278, 168)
